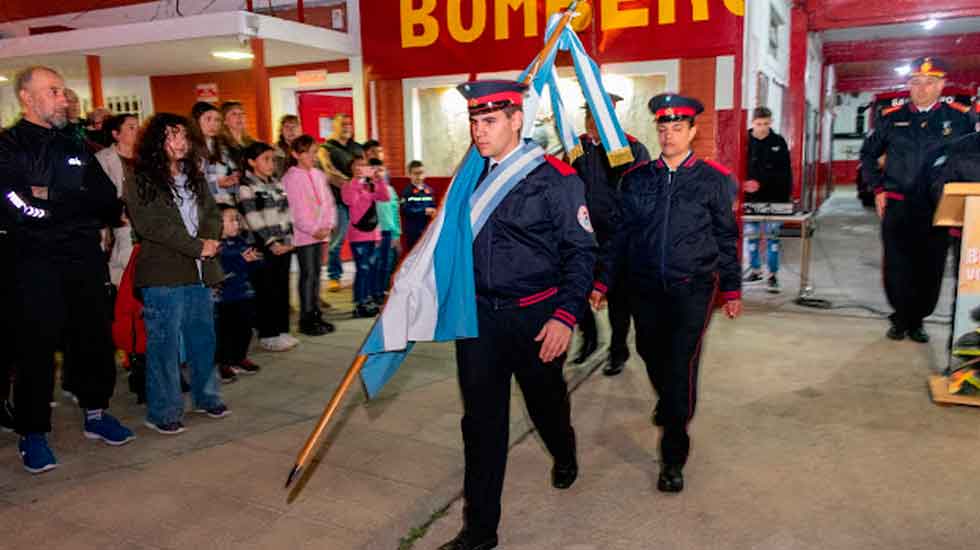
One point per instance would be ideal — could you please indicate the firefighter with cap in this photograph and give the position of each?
(602, 197)
(914, 251)
(533, 266)
(676, 254)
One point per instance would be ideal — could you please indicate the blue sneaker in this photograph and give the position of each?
(104, 426)
(217, 411)
(36, 454)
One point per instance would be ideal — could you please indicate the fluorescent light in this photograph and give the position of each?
(903, 70)
(3, 78)
(930, 23)
(234, 55)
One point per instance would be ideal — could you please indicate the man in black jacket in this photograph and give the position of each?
(677, 248)
(602, 197)
(58, 199)
(914, 250)
(533, 261)
(770, 180)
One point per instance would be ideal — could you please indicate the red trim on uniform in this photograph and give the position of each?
(539, 297)
(631, 139)
(565, 317)
(718, 166)
(675, 111)
(891, 110)
(635, 166)
(690, 161)
(599, 287)
(732, 295)
(960, 107)
(697, 351)
(516, 98)
(892, 195)
(879, 190)
(955, 232)
(660, 163)
(563, 168)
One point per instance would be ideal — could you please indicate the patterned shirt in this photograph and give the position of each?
(266, 210)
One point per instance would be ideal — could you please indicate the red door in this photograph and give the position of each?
(318, 108)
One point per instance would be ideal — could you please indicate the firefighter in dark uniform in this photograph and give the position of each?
(533, 264)
(602, 197)
(914, 250)
(676, 249)
(58, 198)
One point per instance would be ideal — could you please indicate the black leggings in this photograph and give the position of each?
(271, 282)
(310, 260)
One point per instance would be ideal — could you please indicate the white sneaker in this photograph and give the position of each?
(289, 340)
(276, 343)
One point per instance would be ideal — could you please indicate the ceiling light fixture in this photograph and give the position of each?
(233, 55)
(930, 23)
(3, 78)
(903, 70)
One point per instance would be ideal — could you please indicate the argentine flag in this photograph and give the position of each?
(433, 296)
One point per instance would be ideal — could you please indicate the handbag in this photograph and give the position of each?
(369, 220)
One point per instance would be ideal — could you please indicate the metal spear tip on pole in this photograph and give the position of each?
(293, 474)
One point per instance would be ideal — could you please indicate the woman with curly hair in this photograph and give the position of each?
(178, 225)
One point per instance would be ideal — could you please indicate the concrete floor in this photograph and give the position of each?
(813, 431)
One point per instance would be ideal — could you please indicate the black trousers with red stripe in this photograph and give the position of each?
(506, 349)
(670, 326)
(914, 261)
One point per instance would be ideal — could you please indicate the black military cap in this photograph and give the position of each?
(673, 107)
(929, 66)
(486, 96)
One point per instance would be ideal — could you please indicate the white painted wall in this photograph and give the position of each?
(845, 121)
(759, 58)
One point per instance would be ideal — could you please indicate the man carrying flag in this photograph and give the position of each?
(533, 262)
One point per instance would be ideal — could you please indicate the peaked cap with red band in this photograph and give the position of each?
(673, 107)
(486, 96)
(929, 66)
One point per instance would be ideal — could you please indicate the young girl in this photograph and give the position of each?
(178, 225)
(314, 218)
(220, 170)
(360, 195)
(262, 200)
(235, 307)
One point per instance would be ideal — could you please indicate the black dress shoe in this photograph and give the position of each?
(562, 477)
(671, 479)
(614, 367)
(919, 335)
(465, 541)
(895, 333)
(310, 326)
(586, 351)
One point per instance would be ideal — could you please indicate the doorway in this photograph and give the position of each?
(317, 109)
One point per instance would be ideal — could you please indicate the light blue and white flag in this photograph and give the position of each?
(433, 296)
(590, 79)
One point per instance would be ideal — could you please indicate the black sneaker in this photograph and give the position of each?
(217, 411)
(773, 286)
(170, 428)
(227, 374)
(365, 311)
(919, 335)
(895, 333)
(6, 416)
(311, 327)
(247, 367)
(671, 479)
(754, 277)
(466, 541)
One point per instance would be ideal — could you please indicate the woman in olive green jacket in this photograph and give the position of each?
(178, 225)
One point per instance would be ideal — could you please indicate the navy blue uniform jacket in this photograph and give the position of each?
(538, 245)
(678, 225)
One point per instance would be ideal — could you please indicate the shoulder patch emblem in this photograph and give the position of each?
(562, 167)
(583, 218)
(635, 166)
(718, 166)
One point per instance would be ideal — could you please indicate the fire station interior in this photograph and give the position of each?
(813, 431)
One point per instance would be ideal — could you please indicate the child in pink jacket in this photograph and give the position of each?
(360, 194)
(314, 218)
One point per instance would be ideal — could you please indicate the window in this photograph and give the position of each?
(776, 23)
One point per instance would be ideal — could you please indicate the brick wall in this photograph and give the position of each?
(697, 79)
(391, 129)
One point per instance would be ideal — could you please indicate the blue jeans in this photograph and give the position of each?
(335, 267)
(771, 230)
(383, 264)
(364, 279)
(175, 317)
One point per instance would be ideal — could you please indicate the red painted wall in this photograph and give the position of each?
(844, 172)
(835, 14)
